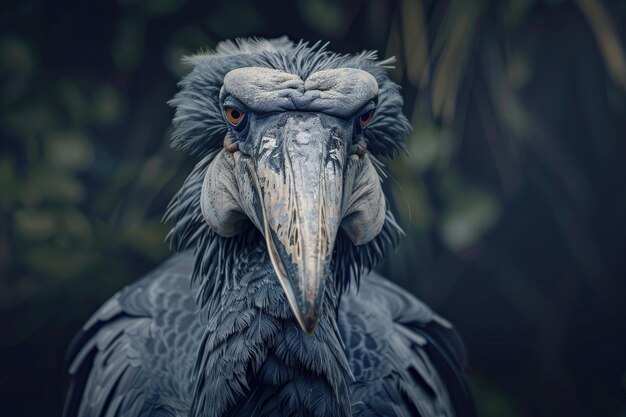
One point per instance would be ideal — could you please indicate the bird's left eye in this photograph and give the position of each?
(366, 118)
(234, 116)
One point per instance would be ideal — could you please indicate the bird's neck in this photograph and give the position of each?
(254, 356)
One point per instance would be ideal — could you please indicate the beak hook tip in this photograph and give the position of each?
(309, 326)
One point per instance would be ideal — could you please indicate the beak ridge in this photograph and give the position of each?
(301, 190)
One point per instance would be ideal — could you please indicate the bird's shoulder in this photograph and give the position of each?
(406, 360)
(130, 347)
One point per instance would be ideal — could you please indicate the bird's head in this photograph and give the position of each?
(295, 127)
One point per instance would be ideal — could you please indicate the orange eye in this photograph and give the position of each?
(366, 118)
(234, 116)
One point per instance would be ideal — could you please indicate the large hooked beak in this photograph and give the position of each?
(300, 182)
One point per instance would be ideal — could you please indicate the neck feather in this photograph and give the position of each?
(254, 356)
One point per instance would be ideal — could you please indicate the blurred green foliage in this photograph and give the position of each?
(511, 196)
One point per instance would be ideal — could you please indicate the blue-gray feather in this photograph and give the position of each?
(210, 333)
(150, 348)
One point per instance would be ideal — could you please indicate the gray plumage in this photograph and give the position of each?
(211, 333)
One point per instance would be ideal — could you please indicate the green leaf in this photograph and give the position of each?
(35, 224)
(428, 146)
(323, 15)
(68, 151)
(106, 106)
(128, 47)
(469, 214)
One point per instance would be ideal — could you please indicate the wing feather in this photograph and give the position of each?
(131, 357)
(407, 361)
(105, 364)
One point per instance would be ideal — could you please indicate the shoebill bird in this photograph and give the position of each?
(270, 308)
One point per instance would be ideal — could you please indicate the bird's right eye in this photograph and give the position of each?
(234, 116)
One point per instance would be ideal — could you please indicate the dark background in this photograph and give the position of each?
(512, 194)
